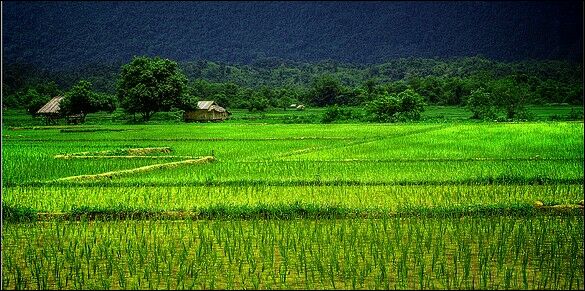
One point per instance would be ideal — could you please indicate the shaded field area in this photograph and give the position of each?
(294, 206)
(391, 253)
(289, 202)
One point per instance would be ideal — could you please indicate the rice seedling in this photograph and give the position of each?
(294, 207)
(189, 253)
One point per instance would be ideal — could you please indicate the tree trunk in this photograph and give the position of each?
(146, 115)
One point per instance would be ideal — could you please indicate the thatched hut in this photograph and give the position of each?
(51, 110)
(206, 111)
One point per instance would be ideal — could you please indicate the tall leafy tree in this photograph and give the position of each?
(33, 97)
(482, 104)
(104, 102)
(455, 91)
(326, 91)
(148, 85)
(384, 107)
(286, 97)
(49, 89)
(34, 101)
(411, 104)
(370, 86)
(81, 99)
(406, 105)
(511, 95)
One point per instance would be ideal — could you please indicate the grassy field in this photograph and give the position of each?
(543, 252)
(428, 205)
(432, 113)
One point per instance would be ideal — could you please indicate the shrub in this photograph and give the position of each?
(481, 105)
(34, 101)
(257, 103)
(405, 106)
(411, 104)
(335, 113)
(524, 115)
(575, 114)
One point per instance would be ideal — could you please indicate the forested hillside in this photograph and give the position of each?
(257, 55)
(69, 35)
(276, 82)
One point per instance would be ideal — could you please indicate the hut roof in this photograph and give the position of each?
(216, 108)
(209, 106)
(205, 104)
(52, 107)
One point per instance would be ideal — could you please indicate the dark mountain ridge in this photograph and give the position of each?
(65, 35)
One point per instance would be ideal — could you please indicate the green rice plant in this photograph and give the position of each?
(50, 202)
(297, 206)
(542, 148)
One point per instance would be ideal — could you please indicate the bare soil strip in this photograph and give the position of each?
(414, 160)
(90, 130)
(66, 157)
(128, 152)
(145, 151)
(113, 174)
(27, 139)
(568, 209)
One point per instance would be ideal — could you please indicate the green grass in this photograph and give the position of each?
(249, 154)
(432, 113)
(542, 252)
(291, 201)
(427, 205)
(291, 160)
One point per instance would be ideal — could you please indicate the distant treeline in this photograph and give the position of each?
(278, 82)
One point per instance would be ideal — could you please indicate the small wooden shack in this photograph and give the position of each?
(51, 111)
(206, 111)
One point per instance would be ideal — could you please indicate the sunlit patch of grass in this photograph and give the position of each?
(289, 206)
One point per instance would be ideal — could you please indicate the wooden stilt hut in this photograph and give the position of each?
(206, 111)
(51, 111)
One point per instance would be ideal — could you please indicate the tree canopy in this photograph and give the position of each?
(81, 99)
(406, 105)
(148, 85)
(278, 83)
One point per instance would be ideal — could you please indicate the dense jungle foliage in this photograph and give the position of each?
(278, 83)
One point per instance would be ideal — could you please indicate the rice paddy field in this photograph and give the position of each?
(293, 206)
